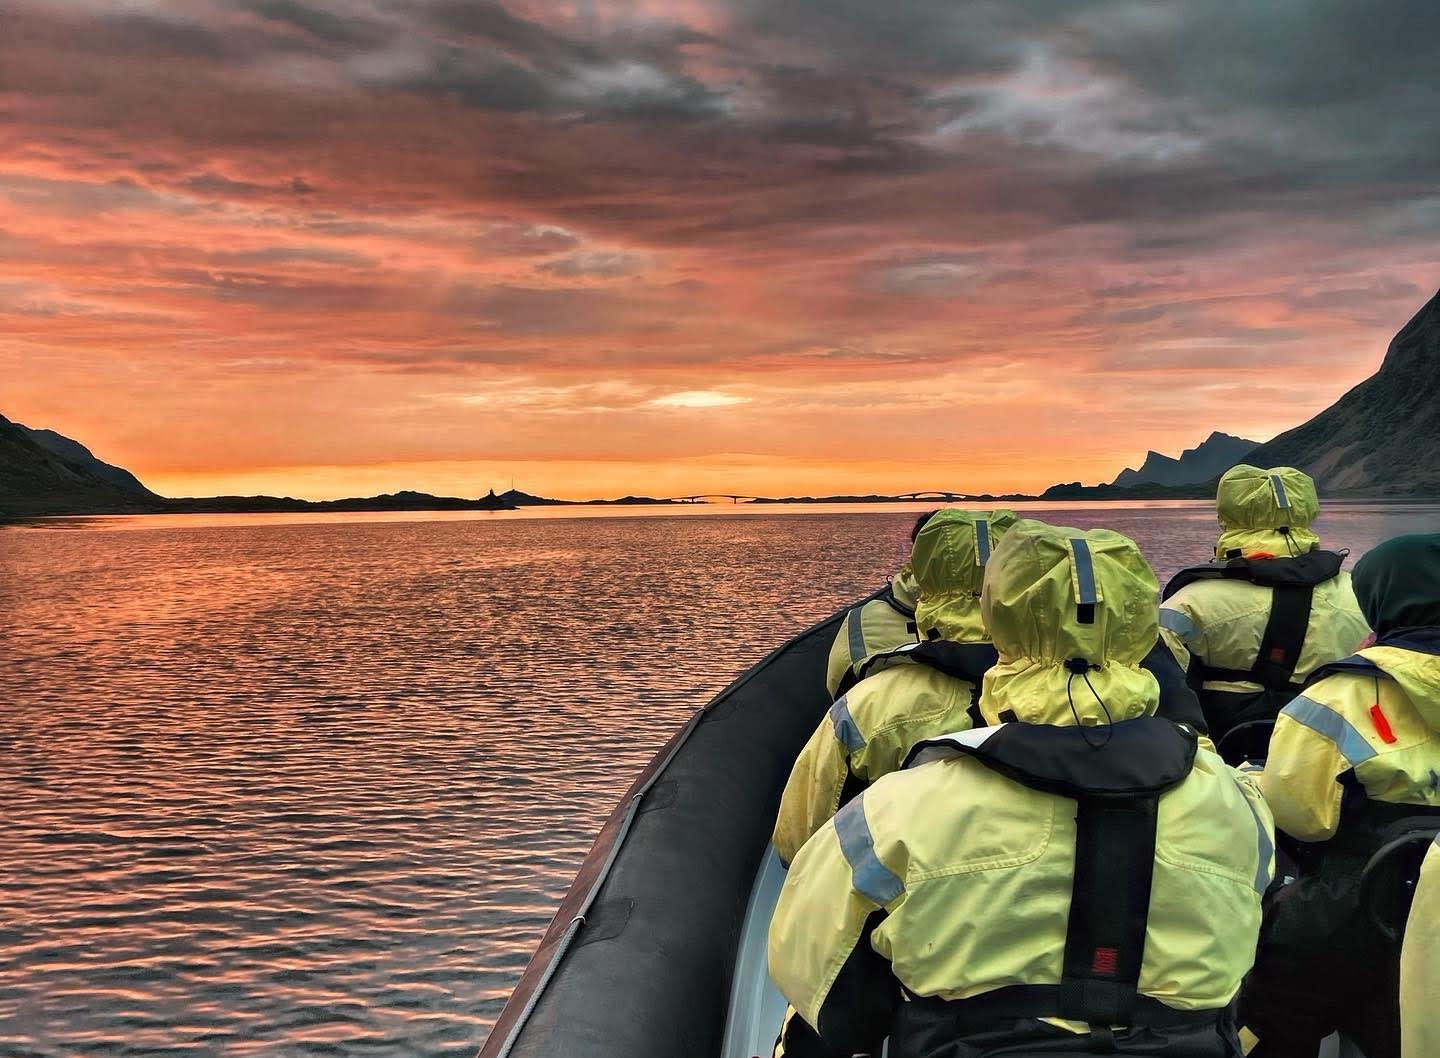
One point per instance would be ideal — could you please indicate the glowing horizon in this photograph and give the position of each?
(302, 248)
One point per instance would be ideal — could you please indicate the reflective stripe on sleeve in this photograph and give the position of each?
(857, 635)
(1084, 572)
(868, 876)
(1327, 722)
(1179, 623)
(846, 732)
(1263, 846)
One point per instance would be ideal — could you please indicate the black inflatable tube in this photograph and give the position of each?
(638, 960)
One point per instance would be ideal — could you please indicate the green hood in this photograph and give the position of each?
(948, 562)
(1255, 504)
(1041, 584)
(1398, 583)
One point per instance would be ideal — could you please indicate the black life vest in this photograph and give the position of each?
(964, 661)
(1117, 787)
(1292, 582)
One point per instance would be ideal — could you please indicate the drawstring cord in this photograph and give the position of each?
(1284, 531)
(1080, 667)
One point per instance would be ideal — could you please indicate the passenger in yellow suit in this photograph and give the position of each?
(1420, 966)
(1249, 627)
(1353, 764)
(1078, 878)
(876, 625)
(923, 689)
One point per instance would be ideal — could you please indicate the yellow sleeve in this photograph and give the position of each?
(1420, 966)
(1248, 779)
(1181, 635)
(1300, 780)
(812, 793)
(840, 660)
(895, 735)
(837, 881)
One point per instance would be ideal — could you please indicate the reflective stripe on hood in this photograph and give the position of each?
(948, 561)
(1055, 595)
(1266, 512)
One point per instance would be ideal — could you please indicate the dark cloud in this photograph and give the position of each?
(267, 291)
(323, 24)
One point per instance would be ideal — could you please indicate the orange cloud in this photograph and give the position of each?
(294, 249)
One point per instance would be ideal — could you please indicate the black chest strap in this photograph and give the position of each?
(1109, 908)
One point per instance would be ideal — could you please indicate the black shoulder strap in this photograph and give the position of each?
(1280, 644)
(1109, 908)
(964, 661)
(1284, 636)
(1354, 664)
(1312, 568)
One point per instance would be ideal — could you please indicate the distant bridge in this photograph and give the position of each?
(706, 497)
(939, 495)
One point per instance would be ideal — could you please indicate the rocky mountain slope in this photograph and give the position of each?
(77, 455)
(35, 480)
(1206, 461)
(1382, 437)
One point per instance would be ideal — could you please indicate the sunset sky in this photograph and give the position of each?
(337, 247)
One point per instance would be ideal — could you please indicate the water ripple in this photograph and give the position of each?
(315, 788)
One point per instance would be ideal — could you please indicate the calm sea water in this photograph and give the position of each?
(293, 786)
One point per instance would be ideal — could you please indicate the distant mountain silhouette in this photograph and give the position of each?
(76, 454)
(404, 500)
(1205, 462)
(36, 480)
(43, 473)
(1383, 436)
(524, 499)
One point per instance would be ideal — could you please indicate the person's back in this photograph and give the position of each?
(875, 625)
(1025, 881)
(1354, 763)
(1251, 626)
(909, 692)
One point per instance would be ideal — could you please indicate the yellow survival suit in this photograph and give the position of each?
(876, 625)
(908, 693)
(1078, 878)
(1249, 627)
(1354, 763)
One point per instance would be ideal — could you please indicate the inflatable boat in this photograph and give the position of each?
(658, 949)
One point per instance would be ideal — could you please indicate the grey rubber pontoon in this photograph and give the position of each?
(659, 946)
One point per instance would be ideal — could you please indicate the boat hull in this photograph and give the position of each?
(639, 960)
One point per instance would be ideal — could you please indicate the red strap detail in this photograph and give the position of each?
(1382, 725)
(1105, 961)
(1277, 655)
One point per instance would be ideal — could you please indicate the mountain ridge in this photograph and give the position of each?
(1382, 437)
(1207, 460)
